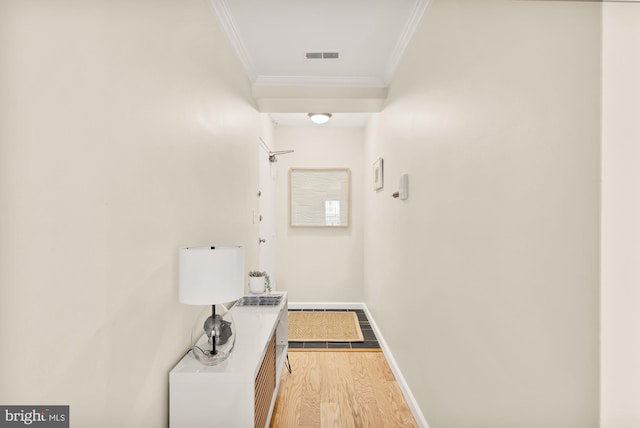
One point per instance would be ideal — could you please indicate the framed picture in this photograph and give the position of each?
(319, 197)
(378, 174)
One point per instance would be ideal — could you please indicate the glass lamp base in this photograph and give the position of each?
(207, 358)
(213, 335)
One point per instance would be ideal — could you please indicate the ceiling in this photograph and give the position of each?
(272, 39)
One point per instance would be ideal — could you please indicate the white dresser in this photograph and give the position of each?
(240, 392)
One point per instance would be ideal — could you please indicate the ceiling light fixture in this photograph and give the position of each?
(319, 118)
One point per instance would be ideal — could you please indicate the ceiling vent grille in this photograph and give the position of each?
(323, 55)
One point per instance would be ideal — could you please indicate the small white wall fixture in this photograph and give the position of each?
(403, 188)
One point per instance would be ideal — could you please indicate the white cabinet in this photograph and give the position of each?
(240, 392)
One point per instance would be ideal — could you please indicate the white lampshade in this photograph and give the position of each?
(211, 275)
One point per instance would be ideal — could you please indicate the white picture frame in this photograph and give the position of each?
(319, 197)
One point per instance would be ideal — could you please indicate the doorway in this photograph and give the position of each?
(266, 213)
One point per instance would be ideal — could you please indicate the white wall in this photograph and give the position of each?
(126, 132)
(620, 316)
(485, 281)
(320, 264)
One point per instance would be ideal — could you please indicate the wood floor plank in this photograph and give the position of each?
(310, 404)
(389, 398)
(393, 407)
(330, 415)
(364, 409)
(340, 389)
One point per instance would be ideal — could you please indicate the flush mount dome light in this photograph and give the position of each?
(319, 118)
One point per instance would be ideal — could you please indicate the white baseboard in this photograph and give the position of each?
(326, 305)
(402, 383)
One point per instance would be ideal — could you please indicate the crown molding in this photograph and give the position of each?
(413, 22)
(321, 81)
(221, 10)
(303, 99)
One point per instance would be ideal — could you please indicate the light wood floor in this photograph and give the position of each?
(339, 390)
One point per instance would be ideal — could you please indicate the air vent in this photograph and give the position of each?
(323, 55)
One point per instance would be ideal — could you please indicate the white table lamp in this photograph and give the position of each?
(212, 275)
